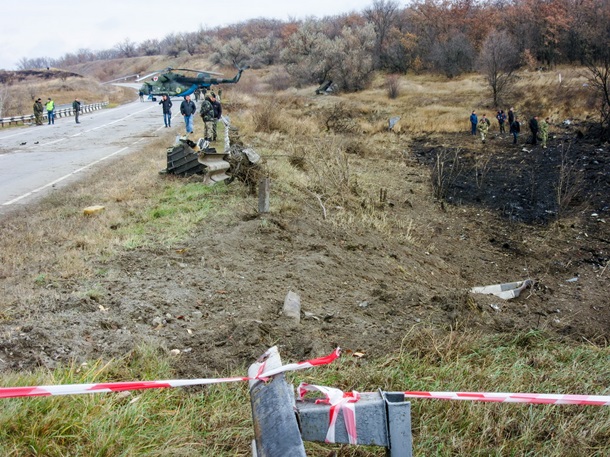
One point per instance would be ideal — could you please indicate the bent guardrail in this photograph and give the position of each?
(59, 113)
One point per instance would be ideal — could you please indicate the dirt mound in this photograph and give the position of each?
(218, 297)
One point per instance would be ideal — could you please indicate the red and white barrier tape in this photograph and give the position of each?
(543, 399)
(338, 401)
(77, 389)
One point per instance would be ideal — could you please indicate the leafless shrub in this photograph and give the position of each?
(481, 167)
(280, 80)
(267, 117)
(299, 162)
(341, 120)
(569, 182)
(447, 168)
(392, 84)
(356, 147)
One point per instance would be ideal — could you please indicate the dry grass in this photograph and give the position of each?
(342, 177)
(62, 242)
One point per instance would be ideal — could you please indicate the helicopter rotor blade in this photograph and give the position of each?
(200, 71)
(148, 76)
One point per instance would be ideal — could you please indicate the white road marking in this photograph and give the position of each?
(26, 130)
(53, 142)
(14, 200)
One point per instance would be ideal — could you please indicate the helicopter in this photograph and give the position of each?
(168, 82)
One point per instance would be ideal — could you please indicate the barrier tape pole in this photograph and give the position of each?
(79, 389)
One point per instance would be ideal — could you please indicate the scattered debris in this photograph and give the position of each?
(89, 210)
(392, 122)
(292, 306)
(325, 88)
(505, 291)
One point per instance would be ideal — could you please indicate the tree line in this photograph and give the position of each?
(446, 36)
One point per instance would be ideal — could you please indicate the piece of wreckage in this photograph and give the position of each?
(187, 158)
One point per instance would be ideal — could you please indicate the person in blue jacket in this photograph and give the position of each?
(474, 120)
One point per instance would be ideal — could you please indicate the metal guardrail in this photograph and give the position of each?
(59, 113)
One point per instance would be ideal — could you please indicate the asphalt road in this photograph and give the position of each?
(36, 159)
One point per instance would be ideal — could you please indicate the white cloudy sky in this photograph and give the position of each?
(37, 28)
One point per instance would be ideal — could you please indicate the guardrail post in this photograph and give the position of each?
(276, 429)
(382, 419)
(399, 424)
(263, 195)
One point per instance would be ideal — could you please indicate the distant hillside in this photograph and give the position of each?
(9, 77)
(107, 70)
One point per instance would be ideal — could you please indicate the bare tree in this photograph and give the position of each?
(497, 61)
(382, 14)
(126, 48)
(595, 33)
(302, 55)
(232, 53)
(149, 48)
(599, 79)
(31, 64)
(351, 54)
(454, 56)
(172, 45)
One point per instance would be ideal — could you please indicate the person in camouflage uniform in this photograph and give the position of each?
(543, 128)
(483, 127)
(38, 110)
(207, 114)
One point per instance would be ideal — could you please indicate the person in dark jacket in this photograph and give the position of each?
(511, 116)
(76, 108)
(501, 117)
(474, 120)
(515, 128)
(217, 114)
(534, 129)
(207, 114)
(188, 109)
(167, 110)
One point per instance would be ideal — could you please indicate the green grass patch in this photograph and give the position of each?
(215, 421)
(174, 213)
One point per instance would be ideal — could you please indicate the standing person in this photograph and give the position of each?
(38, 109)
(217, 114)
(544, 131)
(483, 127)
(474, 120)
(515, 128)
(534, 129)
(141, 94)
(501, 117)
(187, 109)
(167, 110)
(76, 109)
(207, 114)
(511, 116)
(50, 111)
